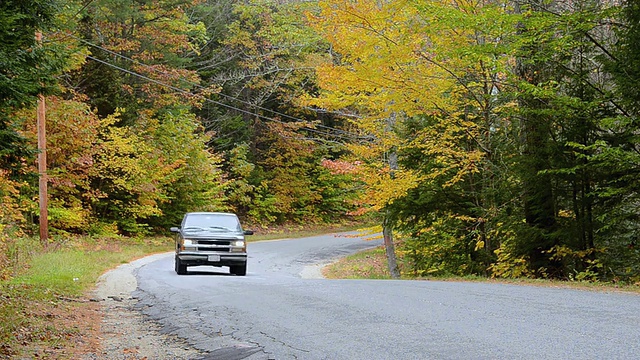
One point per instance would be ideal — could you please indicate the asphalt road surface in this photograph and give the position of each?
(282, 310)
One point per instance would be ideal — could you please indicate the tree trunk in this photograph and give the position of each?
(536, 125)
(387, 233)
(387, 228)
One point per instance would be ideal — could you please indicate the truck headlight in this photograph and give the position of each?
(189, 245)
(238, 246)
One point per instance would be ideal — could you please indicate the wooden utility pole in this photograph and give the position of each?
(42, 164)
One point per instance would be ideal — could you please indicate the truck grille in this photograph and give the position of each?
(214, 245)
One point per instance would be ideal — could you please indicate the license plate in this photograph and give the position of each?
(214, 258)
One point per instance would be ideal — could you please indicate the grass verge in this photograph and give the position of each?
(44, 312)
(368, 264)
(372, 264)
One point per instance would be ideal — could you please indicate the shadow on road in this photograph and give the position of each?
(211, 271)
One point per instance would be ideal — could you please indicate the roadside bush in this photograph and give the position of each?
(10, 219)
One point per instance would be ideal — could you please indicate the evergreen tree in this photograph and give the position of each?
(27, 69)
(618, 152)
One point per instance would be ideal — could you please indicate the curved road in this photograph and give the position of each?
(278, 312)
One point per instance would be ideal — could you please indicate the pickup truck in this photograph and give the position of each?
(211, 238)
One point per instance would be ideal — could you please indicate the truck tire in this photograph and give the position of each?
(240, 270)
(181, 269)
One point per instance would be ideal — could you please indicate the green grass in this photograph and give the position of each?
(71, 272)
(47, 280)
(74, 270)
(368, 264)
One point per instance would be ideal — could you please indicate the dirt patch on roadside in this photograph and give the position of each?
(104, 325)
(67, 329)
(125, 333)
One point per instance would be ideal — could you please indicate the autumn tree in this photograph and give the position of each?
(259, 70)
(144, 178)
(139, 54)
(28, 68)
(440, 67)
(240, 192)
(69, 160)
(291, 168)
(195, 181)
(152, 163)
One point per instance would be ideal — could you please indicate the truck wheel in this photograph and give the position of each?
(181, 268)
(240, 270)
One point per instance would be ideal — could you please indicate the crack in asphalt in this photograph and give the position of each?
(219, 341)
(283, 343)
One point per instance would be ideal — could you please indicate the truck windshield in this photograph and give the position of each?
(212, 221)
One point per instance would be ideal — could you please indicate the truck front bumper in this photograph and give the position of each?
(212, 258)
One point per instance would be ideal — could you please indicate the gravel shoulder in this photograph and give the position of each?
(125, 333)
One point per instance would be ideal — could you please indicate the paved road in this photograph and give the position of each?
(277, 312)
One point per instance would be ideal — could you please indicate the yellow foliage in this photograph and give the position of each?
(400, 59)
(564, 213)
(509, 266)
(127, 162)
(69, 218)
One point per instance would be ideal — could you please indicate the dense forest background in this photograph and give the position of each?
(496, 138)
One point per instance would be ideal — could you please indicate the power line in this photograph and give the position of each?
(84, 7)
(207, 99)
(349, 135)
